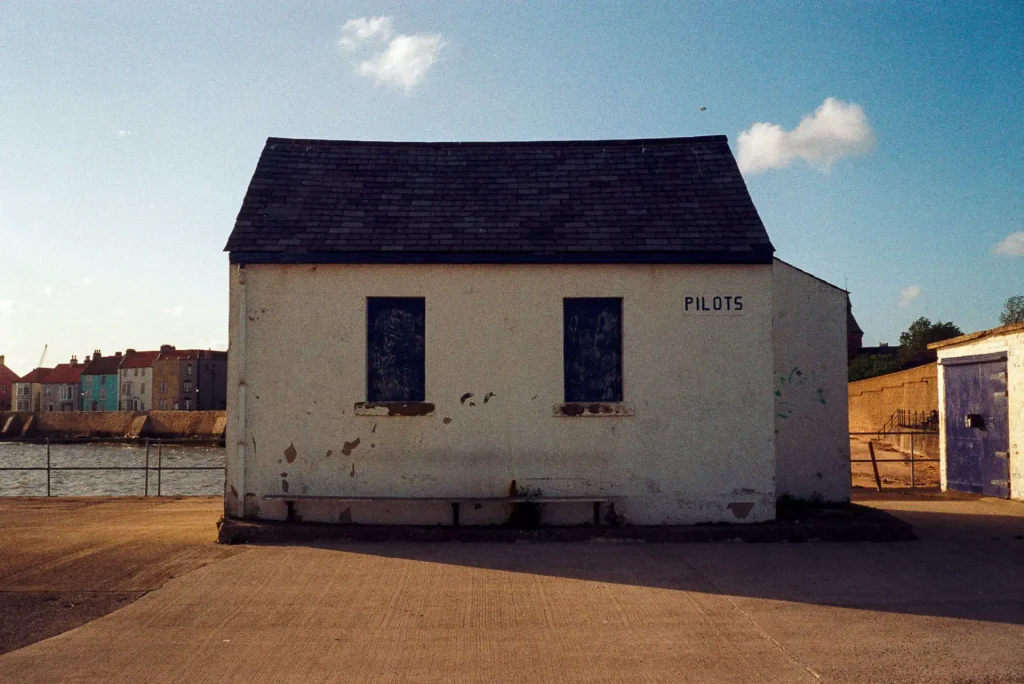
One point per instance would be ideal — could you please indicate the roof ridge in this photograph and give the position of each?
(504, 143)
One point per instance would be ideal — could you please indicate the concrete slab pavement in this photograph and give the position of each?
(947, 608)
(67, 561)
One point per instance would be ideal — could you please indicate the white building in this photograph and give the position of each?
(415, 325)
(981, 412)
(136, 380)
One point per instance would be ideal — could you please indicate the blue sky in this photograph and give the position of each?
(129, 131)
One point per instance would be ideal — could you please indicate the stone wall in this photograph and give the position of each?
(121, 424)
(874, 400)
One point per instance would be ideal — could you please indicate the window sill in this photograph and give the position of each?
(393, 408)
(594, 409)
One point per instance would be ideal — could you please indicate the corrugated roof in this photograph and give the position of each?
(609, 201)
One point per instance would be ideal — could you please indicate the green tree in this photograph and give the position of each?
(1013, 311)
(923, 332)
(869, 365)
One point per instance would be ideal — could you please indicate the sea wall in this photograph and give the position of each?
(114, 425)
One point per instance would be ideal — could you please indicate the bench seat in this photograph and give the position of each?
(455, 501)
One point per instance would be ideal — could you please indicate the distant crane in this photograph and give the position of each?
(43, 357)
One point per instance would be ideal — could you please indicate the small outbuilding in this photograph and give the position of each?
(436, 333)
(981, 412)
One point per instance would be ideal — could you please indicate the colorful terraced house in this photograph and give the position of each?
(99, 382)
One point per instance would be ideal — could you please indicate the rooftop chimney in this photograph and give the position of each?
(117, 355)
(1, 359)
(74, 360)
(166, 348)
(129, 351)
(96, 355)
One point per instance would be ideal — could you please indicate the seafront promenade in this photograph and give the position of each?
(136, 590)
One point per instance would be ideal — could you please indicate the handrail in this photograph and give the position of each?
(49, 468)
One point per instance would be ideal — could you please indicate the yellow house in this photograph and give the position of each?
(431, 333)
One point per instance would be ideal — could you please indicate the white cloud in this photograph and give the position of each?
(908, 295)
(835, 130)
(405, 62)
(356, 32)
(48, 291)
(123, 133)
(7, 306)
(86, 281)
(1011, 245)
(175, 311)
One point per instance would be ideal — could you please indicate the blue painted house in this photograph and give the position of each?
(99, 382)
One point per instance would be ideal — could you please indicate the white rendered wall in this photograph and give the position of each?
(700, 446)
(1012, 345)
(812, 443)
(145, 398)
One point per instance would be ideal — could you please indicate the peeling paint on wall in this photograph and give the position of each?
(741, 509)
(290, 453)
(349, 447)
(576, 409)
(420, 408)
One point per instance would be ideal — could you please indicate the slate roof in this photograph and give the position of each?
(104, 365)
(665, 200)
(188, 354)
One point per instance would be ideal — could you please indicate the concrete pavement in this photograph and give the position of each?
(67, 561)
(946, 608)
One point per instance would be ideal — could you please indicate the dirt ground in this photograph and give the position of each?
(65, 562)
(893, 475)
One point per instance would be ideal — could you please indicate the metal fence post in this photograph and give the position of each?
(874, 465)
(147, 468)
(159, 462)
(913, 482)
(47, 466)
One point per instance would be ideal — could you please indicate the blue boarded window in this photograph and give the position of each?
(592, 351)
(395, 350)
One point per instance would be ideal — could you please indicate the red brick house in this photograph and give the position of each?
(7, 380)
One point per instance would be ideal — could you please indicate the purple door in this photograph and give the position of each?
(977, 425)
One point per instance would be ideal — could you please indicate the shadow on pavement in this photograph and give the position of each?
(967, 565)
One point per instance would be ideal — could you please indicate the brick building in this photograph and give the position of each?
(7, 380)
(189, 379)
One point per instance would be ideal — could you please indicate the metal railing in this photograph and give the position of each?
(874, 460)
(159, 468)
(907, 419)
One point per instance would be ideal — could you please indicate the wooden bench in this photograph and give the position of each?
(455, 501)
